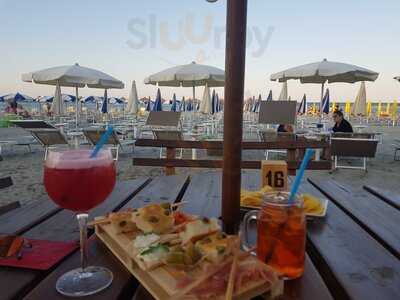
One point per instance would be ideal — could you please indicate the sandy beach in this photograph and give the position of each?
(26, 169)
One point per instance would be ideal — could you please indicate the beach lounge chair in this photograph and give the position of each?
(351, 146)
(28, 125)
(396, 145)
(32, 124)
(49, 138)
(169, 135)
(273, 136)
(94, 135)
(165, 125)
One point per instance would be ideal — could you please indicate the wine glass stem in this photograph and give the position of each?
(82, 220)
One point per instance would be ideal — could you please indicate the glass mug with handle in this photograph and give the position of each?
(281, 233)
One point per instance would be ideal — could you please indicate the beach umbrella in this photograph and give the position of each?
(68, 98)
(57, 108)
(183, 105)
(74, 76)
(303, 106)
(217, 103)
(360, 105)
(314, 108)
(325, 103)
(284, 92)
(205, 105)
(17, 97)
(394, 110)
(92, 99)
(46, 98)
(269, 98)
(190, 75)
(174, 103)
(379, 110)
(213, 103)
(133, 102)
(259, 102)
(326, 71)
(255, 104)
(347, 107)
(369, 109)
(115, 100)
(387, 108)
(157, 104)
(189, 106)
(64, 97)
(104, 106)
(333, 108)
(148, 105)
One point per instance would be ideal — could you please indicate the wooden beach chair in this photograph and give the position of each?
(94, 135)
(348, 145)
(49, 138)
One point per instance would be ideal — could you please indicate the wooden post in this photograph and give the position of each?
(170, 155)
(235, 54)
(291, 156)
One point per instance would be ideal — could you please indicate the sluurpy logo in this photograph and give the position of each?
(202, 33)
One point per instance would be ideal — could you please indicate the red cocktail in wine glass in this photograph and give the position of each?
(77, 182)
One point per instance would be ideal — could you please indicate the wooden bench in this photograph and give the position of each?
(359, 145)
(293, 160)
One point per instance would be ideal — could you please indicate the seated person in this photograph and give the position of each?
(285, 128)
(341, 124)
(21, 111)
(11, 108)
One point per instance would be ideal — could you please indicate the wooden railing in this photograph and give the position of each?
(295, 151)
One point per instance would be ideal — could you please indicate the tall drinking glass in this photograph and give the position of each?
(79, 183)
(281, 233)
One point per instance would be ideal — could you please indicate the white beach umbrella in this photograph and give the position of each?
(57, 108)
(326, 71)
(360, 105)
(190, 75)
(74, 76)
(284, 92)
(206, 105)
(133, 101)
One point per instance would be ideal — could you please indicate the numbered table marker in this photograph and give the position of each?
(274, 174)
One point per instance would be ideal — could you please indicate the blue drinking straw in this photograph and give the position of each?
(299, 176)
(103, 140)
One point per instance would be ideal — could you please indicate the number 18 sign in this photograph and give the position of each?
(274, 174)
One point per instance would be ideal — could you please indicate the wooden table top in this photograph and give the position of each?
(353, 253)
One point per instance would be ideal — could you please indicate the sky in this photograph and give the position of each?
(131, 39)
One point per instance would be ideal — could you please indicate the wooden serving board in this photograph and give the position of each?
(159, 282)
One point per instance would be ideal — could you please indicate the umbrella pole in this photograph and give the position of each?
(320, 104)
(233, 115)
(194, 97)
(76, 106)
